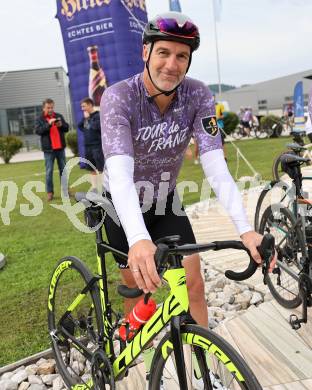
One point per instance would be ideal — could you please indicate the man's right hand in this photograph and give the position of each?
(142, 265)
(51, 121)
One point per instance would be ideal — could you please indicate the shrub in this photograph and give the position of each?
(9, 146)
(230, 122)
(72, 142)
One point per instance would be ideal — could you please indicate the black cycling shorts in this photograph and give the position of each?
(158, 226)
(246, 124)
(94, 154)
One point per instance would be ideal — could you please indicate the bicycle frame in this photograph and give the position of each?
(176, 304)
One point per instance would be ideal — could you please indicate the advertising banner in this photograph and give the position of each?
(175, 5)
(103, 45)
(298, 107)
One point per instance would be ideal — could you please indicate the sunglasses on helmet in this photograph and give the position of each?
(171, 27)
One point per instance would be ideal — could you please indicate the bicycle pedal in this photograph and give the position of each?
(294, 322)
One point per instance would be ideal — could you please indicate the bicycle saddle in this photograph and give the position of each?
(93, 199)
(288, 158)
(298, 133)
(295, 147)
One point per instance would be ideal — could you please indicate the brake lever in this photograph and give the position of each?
(267, 252)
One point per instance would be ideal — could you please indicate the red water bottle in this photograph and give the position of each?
(138, 316)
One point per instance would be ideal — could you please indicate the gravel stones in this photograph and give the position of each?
(227, 299)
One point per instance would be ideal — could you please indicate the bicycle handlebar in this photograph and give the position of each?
(163, 251)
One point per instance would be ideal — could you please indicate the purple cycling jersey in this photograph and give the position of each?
(247, 117)
(132, 125)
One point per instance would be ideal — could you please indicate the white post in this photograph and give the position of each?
(217, 49)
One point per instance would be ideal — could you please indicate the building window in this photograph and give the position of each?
(262, 102)
(21, 121)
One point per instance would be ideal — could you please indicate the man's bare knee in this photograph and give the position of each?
(194, 280)
(196, 289)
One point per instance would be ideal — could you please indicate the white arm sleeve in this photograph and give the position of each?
(225, 188)
(125, 198)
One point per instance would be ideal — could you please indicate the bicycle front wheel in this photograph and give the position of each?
(74, 312)
(289, 241)
(210, 363)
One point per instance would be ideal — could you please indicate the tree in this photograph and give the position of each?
(230, 122)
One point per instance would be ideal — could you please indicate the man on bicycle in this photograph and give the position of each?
(247, 120)
(147, 122)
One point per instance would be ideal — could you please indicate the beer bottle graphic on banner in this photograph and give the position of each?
(97, 79)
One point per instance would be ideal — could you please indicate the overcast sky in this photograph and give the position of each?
(258, 39)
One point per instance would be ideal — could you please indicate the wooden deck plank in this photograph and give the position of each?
(260, 355)
(275, 355)
(305, 332)
(299, 385)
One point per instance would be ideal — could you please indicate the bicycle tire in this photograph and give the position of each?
(236, 134)
(260, 133)
(288, 254)
(69, 278)
(276, 130)
(222, 356)
(264, 196)
(268, 131)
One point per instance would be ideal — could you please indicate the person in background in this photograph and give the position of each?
(90, 124)
(240, 114)
(247, 118)
(289, 116)
(51, 126)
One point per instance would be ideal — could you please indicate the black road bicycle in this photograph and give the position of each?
(291, 281)
(83, 326)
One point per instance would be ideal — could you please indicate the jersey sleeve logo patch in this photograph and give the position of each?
(210, 125)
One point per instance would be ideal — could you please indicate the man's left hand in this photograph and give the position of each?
(251, 241)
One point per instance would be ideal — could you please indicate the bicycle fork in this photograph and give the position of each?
(179, 357)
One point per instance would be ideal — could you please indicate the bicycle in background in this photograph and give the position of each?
(291, 280)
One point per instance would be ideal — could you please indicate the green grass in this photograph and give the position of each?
(33, 244)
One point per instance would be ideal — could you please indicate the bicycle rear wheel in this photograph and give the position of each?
(277, 171)
(237, 133)
(274, 192)
(210, 363)
(260, 133)
(73, 311)
(290, 245)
